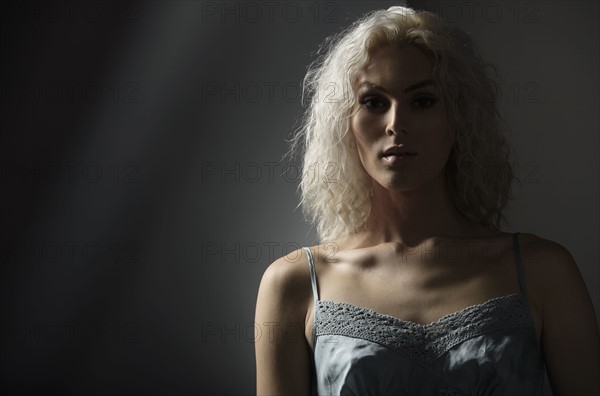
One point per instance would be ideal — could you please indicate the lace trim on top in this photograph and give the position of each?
(422, 343)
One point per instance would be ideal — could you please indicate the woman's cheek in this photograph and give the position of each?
(365, 127)
(362, 139)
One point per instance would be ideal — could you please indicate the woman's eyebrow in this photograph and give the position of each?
(408, 89)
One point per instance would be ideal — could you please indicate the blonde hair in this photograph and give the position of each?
(336, 191)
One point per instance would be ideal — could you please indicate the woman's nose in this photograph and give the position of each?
(395, 121)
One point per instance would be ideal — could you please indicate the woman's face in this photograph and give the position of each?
(403, 110)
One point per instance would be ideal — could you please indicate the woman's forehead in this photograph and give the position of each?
(395, 68)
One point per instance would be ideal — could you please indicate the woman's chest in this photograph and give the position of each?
(420, 287)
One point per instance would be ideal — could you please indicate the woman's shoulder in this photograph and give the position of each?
(290, 269)
(570, 328)
(549, 266)
(287, 278)
(539, 251)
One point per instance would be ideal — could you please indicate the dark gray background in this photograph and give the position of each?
(141, 194)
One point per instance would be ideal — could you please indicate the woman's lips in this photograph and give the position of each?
(399, 158)
(398, 149)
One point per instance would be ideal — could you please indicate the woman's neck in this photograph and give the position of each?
(411, 217)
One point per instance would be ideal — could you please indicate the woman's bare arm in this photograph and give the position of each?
(570, 335)
(282, 353)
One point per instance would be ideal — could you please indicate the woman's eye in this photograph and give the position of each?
(372, 103)
(425, 102)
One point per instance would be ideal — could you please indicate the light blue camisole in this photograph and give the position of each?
(485, 349)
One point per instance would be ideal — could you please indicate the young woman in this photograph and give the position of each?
(415, 290)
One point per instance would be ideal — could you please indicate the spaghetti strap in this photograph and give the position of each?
(519, 263)
(313, 276)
